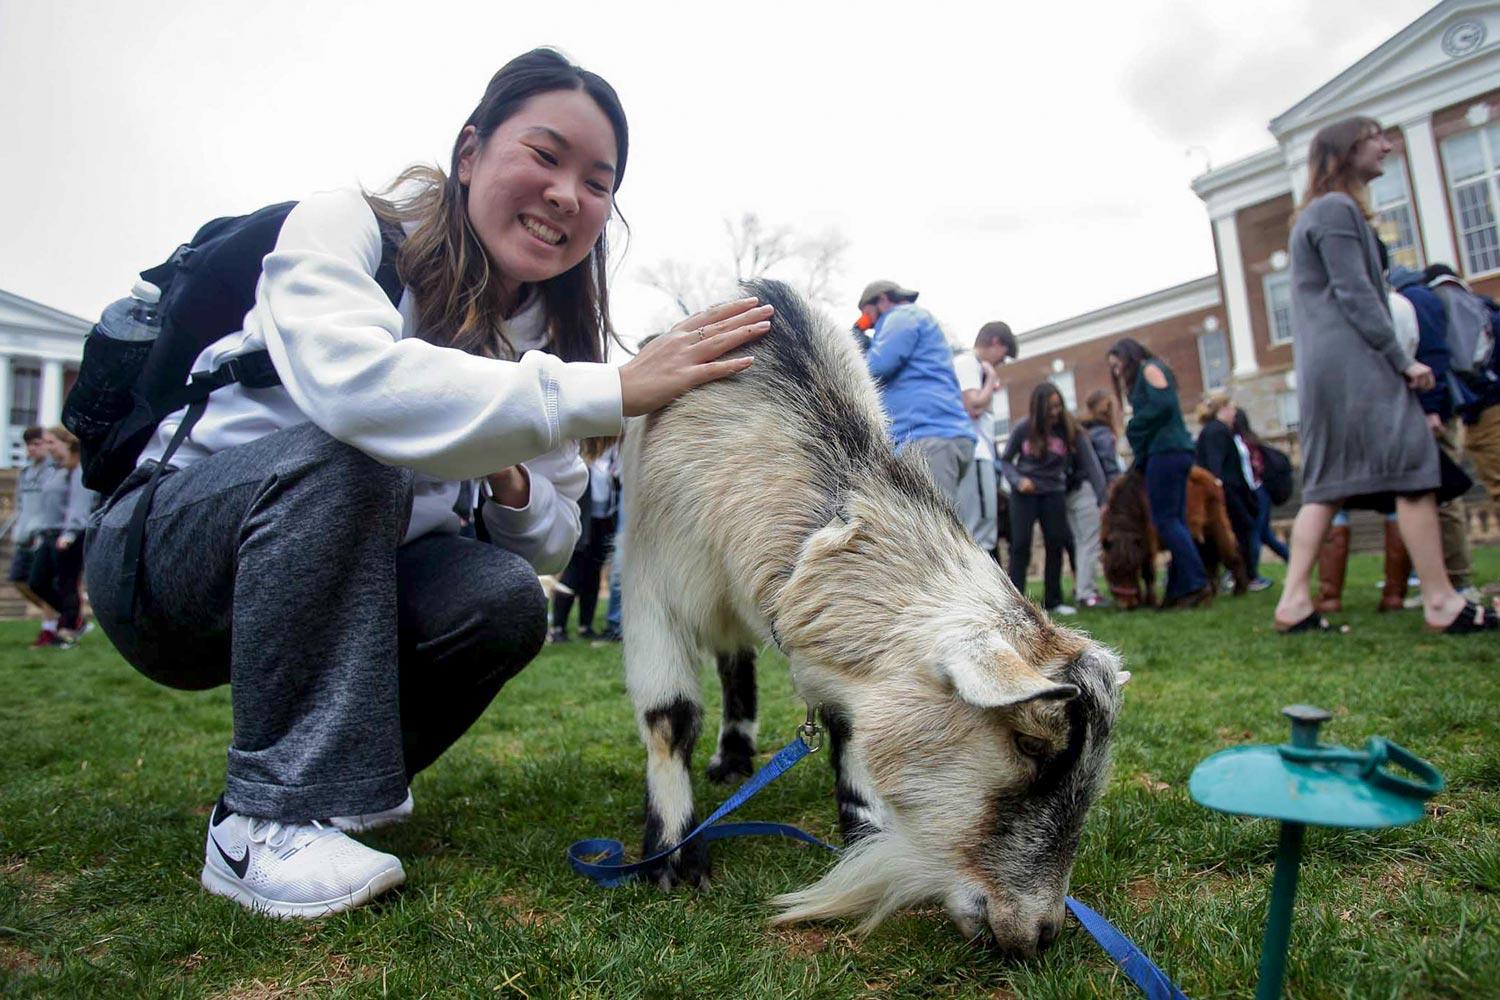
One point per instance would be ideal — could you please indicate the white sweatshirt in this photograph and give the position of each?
(353, 365)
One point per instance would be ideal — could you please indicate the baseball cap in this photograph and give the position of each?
(876, 289)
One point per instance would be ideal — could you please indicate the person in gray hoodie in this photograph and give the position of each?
(23, 529)
(64, 508)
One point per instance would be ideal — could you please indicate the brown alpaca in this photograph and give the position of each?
(1130, 542)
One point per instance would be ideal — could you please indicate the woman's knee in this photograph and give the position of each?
(508, 620)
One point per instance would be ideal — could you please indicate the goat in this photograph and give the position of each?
(1130, 543)
(971, 734)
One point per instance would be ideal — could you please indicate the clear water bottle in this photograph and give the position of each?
(137, 318)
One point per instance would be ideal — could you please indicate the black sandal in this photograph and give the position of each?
(1469, 623)
(1313, 623)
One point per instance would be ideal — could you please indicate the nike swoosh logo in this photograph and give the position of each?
(238, 867)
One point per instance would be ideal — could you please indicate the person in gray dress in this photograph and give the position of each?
(1364, 437)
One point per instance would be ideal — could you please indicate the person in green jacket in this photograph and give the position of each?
(1163, 450)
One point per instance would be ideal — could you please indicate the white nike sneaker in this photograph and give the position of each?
(292, 869)
(366, 822)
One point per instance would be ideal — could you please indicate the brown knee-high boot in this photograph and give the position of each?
(1333, 561)
(1397, 569)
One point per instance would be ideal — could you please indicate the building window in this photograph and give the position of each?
(1471, 160)
(1390, 198)
(1278, 289)
(25, 395)
(1000, 409)
(1213, 357)
(1287, 413)
(1064, 383)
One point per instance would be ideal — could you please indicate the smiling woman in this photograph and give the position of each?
(307, 544)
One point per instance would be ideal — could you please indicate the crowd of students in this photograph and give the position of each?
(52, 509)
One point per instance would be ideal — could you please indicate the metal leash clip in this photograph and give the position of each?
(810, 732)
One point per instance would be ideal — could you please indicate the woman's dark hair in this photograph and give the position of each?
(1132, 354)
(1067, 427)
(1242, 428)
(442, 261)
(1329, 160)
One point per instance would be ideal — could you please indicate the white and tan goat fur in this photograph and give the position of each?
(971, 733)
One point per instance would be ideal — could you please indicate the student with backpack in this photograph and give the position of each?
(302, 543)
(1273, 470)
(1474, 375)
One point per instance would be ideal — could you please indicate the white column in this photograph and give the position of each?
(1236, 298)
(1427, 189)
(49, 406)
(5, 397)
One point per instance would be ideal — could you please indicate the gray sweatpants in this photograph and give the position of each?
(1083, 519)
(977, 503)
(354, 661)
(947, 458)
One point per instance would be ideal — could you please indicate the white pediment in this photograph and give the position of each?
(30, 329)
(1456, 39)
(18, 313)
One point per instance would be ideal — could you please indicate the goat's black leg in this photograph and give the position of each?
(859, 808)
(671, 732)
(735, 755)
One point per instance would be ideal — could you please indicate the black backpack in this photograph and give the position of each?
(1276, 474)
(125, 388)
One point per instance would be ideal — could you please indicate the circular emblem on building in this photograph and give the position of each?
(1463, 38)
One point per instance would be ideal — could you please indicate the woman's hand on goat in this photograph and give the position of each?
(1419, 377)
(689, 355)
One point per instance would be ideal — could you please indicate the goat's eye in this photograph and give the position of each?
(1031, 746)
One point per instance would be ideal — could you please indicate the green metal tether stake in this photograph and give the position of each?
(1306, 783)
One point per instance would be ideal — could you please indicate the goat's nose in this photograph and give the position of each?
(1046, 933)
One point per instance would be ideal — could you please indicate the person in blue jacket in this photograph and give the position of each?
(911, 360)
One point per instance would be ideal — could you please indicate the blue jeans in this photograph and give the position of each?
(1263, 534)
(1166, 488)
(612, 616)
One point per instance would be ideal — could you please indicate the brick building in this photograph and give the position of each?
(1435, 85)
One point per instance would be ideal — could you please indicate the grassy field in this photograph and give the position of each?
(109, 779)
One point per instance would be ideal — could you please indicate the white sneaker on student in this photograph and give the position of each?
(366, 822)
(292, 869)
(1062, 609)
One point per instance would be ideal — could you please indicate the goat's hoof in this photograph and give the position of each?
(724, 768)
(683, 868)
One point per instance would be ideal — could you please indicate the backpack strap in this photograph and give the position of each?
(135, 538)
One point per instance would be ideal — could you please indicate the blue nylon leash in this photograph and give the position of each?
(1137, 967)
(608, 870)
(602, 862)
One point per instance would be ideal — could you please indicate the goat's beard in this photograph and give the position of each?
(882, 873)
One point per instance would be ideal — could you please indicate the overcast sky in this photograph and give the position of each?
(1024, 162)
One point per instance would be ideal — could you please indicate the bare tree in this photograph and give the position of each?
(811, 264)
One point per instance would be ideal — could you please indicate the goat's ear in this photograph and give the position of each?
(1002, 681)
(835, 536)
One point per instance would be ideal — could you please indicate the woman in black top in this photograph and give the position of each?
(1220, 451)
(1037, 457)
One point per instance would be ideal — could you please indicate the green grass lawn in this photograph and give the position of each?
(108, 781)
